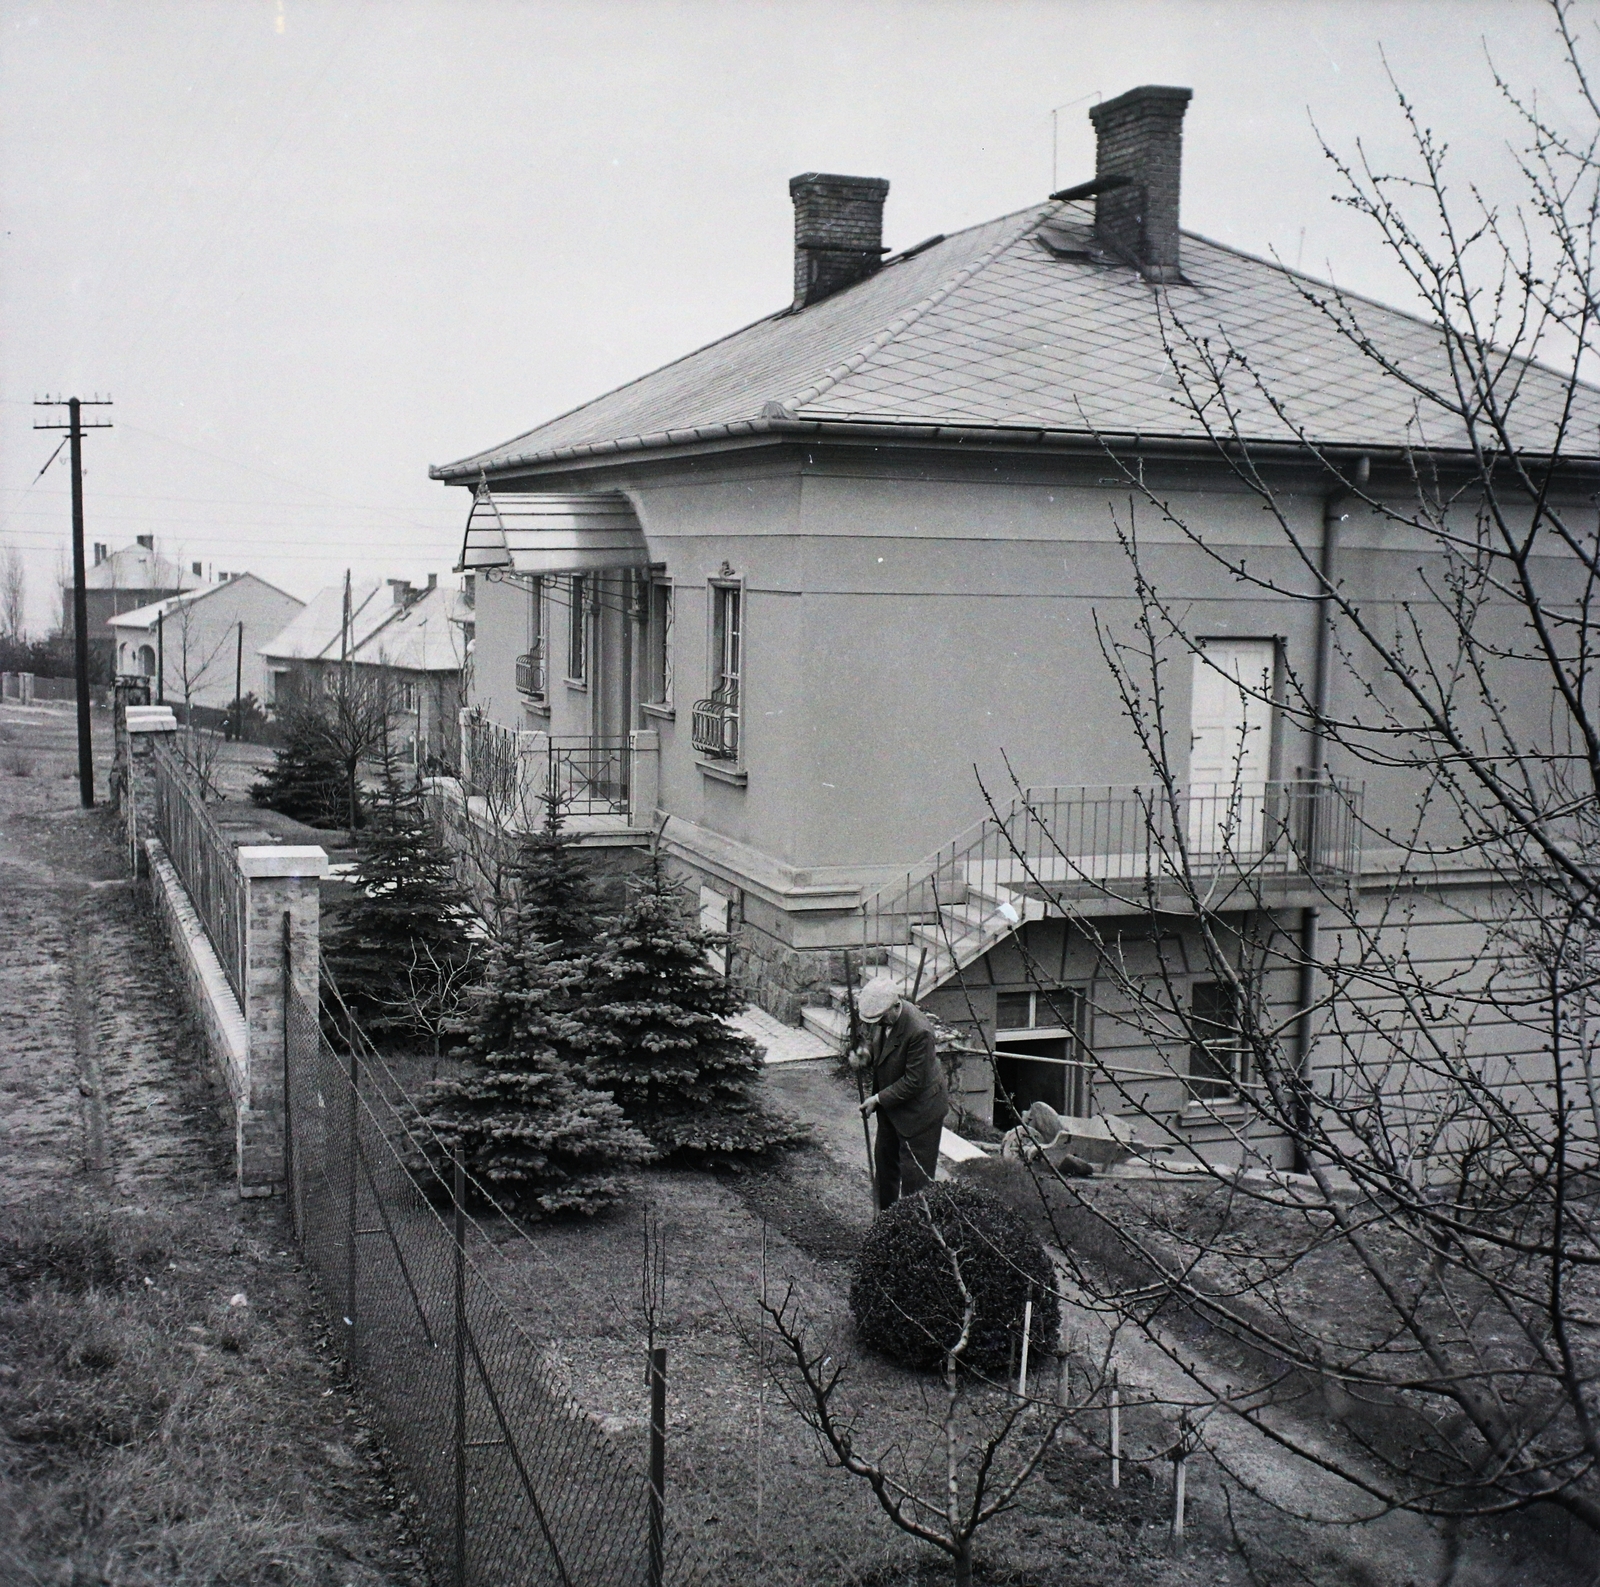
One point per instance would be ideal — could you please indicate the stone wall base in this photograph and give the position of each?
(218, 1017)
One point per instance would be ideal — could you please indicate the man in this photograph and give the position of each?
(908, 1090)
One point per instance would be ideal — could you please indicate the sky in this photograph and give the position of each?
(310, 247)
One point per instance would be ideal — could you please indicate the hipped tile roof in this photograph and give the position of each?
(992, 330)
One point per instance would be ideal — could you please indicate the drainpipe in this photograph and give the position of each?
(1306, 988)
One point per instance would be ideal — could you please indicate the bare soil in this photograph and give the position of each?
(169, 1409)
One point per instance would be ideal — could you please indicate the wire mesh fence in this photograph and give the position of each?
(516, 1484)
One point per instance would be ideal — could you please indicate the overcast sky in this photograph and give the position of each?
(312, 246)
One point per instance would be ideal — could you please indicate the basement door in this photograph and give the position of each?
(1230, 745)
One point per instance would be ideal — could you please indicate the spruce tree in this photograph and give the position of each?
(654, 1029)
(306, 779)
(400, 946)
(518, 1115)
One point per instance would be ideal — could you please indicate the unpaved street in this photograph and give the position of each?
(246, 1460)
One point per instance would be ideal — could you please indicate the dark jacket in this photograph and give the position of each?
(906, 1073)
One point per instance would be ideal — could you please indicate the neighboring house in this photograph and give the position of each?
(413, 642)
(200, 647)
(122, 581)
(796, 586)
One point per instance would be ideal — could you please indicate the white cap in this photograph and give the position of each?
(878, 996)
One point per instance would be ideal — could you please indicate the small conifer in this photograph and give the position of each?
(518, 1115)
(654, 1028)
(306, 780)
(401, 945)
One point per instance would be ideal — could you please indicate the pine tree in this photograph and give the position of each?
(518, 1115)
(400, 945)
(306, 779)
(654, 1027)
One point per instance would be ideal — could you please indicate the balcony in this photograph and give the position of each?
(602, 784)
(1064, 851)
(716, 724)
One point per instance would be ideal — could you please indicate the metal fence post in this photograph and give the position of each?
(353, 1145)
(458, 1196)
(288, 1084)
(658, 1466)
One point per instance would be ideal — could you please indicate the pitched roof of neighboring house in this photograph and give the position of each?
(420, 632)
(145, 617)
(137, 567)
(425, 637)
(315, 634)
(1022, 325)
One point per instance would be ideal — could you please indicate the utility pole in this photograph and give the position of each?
(238, 685)
(80, 591)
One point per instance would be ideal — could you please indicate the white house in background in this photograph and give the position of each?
(416, 637)
(203, 646)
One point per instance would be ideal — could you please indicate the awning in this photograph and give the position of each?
(542, 532)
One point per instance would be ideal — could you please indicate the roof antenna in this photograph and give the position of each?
(1055, 131)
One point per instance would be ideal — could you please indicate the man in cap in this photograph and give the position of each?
(908, 1094)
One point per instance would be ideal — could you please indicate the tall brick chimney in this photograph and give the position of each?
(838, 232)
(1138, 161)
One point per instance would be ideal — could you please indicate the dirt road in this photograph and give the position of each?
(242, 1457)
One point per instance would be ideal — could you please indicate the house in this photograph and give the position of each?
(122, 581)
(411, 642)
(200, 647)
(808, 591)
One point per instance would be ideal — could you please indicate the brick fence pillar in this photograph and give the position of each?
(644, 779)
(137, 729)
(281, 880)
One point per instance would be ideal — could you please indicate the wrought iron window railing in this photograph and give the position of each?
(716, 724)
(531, 672)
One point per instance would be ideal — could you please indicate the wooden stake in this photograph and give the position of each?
(1027, 1331)
(1116, 1430)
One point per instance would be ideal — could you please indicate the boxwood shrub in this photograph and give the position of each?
(904, 1294)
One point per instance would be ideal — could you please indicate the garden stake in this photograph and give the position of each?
(1179, 1466)
(1116, 1431)
(658, 1466)
(861, 1085)
(1027, 1331)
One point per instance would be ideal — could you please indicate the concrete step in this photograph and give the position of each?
(831, 1024)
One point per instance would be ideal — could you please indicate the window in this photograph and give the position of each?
(658, 644)
(330, 682)
(716, 720)
(578, 630)
(1218, 1057)
(276, 678)
(405, 694)
(532, 673)
(1050, 1067)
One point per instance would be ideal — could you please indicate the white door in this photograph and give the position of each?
(1230, 746)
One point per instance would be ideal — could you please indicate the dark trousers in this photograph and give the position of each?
(903, 1164)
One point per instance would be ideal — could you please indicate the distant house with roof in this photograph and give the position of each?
(122, 581)
(795, 587)
(413, 641)
(200, 647)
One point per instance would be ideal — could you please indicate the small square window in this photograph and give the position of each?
(1218, 1057)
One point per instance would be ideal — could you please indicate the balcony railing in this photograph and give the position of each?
(716, 724)
(531, 679)
(1057, 848)
(590, 776)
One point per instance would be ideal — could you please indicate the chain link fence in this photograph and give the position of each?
(516, 1484)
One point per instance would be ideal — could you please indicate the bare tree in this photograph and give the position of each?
(1441, 1104)
(987, 1441)
(354, 710)
(13, 595)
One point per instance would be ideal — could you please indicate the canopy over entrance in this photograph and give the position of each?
(547, 533)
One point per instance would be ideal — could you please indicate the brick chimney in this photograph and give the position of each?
(1138, 161)
(838, 232)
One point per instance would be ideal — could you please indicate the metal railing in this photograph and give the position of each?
(490, 762)
(716, 725)
(531, 672)
(590, 775)
(1054, 847)
(513, 1481)
(205, 860)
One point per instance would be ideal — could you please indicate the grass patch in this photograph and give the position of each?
(144, 1434)
(17, 761)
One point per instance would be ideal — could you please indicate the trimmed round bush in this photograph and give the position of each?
(904, 1292)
